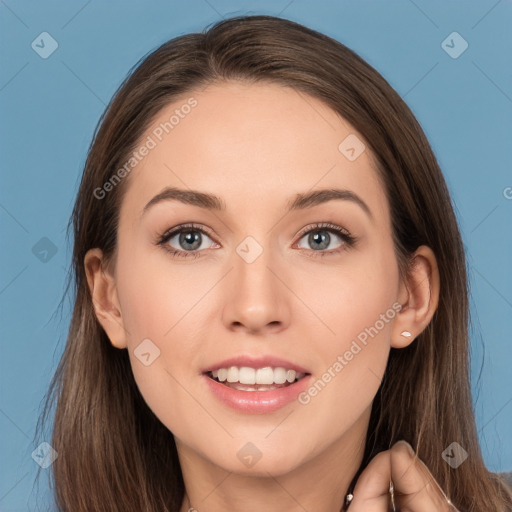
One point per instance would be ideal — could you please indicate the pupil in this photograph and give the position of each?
(318, 235)
(191, 237)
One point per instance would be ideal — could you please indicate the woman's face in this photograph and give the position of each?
(258, 283)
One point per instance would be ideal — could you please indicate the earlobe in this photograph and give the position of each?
(419, 298)
(102, 288)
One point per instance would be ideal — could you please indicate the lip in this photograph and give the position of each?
(257, 402)
(256, 362)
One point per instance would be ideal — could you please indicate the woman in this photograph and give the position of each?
(255, 369)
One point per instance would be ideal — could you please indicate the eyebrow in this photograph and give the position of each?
(300, 201)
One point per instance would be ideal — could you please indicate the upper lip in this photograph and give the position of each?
(256, 362)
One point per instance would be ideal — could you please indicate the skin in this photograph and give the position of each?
(256, 146)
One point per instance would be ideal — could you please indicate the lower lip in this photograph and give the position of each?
(257, 402)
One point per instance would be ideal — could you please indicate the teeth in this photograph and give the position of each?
(247, 375)
(279, 375)
(232, 374)
(250, 376)
(263, 375)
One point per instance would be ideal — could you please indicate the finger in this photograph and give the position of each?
(371, 493)
(415, 489)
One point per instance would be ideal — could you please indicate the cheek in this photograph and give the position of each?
(159, 304)
(154, 295)
(351, 356)
(352, 298)
(355, 304)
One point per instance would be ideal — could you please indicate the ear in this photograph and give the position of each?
(419, 297)
(104, 297)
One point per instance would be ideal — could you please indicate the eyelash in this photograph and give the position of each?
(348, 239)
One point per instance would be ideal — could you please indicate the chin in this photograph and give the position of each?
(249, 460)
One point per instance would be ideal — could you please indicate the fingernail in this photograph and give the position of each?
(410, 449)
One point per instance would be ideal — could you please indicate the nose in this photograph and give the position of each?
(255, 298)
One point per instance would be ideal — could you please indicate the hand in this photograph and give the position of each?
(414, 487)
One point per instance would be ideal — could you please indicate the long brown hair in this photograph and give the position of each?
(113, 452)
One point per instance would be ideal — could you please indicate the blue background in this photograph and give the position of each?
(50, 107)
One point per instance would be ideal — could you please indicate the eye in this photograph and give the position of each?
(188, 238)
(319, 237)
(186, 241)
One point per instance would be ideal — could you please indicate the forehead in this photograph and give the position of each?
(263, 140)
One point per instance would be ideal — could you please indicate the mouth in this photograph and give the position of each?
(256, 379)
(256, 386)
